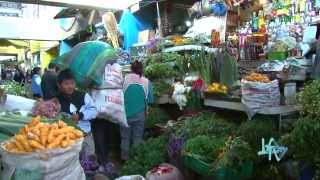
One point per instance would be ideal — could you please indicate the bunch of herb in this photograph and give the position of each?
(163, 58)
(160, 71)
(302, 141)
(161, 88)
(156, 115)
(14, 88)
(254, 130)
(309, 98)
(235, 154)
(145, 156)
(204, 148)
(175, 145)
(204, 124)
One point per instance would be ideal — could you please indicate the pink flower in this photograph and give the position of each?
(198, 85)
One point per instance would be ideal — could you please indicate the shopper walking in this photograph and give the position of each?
(19, 76)
(81, 108)
(138, 94)
(36, 82)
(49, 83)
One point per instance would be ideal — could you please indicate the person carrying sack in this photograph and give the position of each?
(138, 94)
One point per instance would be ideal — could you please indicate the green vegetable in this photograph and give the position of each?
(205, 148)
(309, 98)
(145, 156)
(156, 115)
(14, 88)
(201, 62)
(236, 153)
(204, 124)
(254, 130)
(303, 141)
(160, 71)
(161, 88)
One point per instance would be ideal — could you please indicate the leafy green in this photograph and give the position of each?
(235, 154)
(160, 88)
(303, 143)
(145, 156)
(160, 71)
(204, 147)
(14, 88)
(309, 98)
(254, 130)
(156, 115)
(204, 124)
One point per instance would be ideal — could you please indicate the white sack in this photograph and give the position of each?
(57, 164)
(110, 105)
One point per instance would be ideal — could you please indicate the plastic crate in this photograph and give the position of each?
(245, 172)
(198, 166)
(277, 55)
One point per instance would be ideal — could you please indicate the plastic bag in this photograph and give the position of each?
(13, 102)
(134, 177)
(57, 164)
(112, 78)
(87, 61)
(164, 172)
(110, 105)
(256, 95)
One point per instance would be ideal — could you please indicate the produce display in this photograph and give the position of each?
(309, 98)
(217, 88)
(49, 109)
(14, 88)
(156, 115)
(204, 148)
(256, 77)
(145, 156)
(160, 88)
(37, 135)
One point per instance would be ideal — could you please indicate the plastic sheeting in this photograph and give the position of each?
(130, 27)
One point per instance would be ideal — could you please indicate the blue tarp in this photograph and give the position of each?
(130, 27)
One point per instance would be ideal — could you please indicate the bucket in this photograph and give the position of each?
(290, 93)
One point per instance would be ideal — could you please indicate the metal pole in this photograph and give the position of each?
(159, 19)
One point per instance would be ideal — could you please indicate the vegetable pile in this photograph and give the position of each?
(145, 156)
(309, 98)
(156, 115)
(14, 88)
(49, 109)
(42, 136)
(256, 77)
(205, 148)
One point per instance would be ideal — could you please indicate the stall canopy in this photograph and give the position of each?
(95, 4)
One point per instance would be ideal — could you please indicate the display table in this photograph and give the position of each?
(238, 106)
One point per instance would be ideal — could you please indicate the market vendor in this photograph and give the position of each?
(81, 108)
(137, 95)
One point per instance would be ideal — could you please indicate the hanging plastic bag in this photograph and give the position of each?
(57, 164)
(110, 105)
(134, 177)
(112, 77)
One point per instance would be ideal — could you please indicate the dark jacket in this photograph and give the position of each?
(49, 85)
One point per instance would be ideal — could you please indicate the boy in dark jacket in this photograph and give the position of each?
(82, 110)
